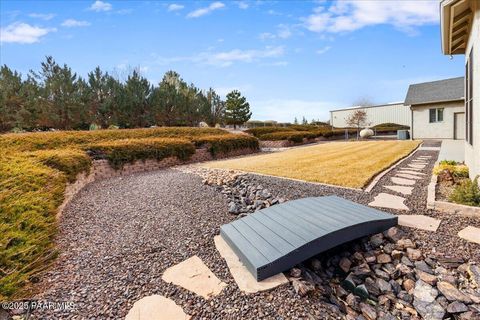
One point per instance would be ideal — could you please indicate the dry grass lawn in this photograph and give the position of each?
(347, 164)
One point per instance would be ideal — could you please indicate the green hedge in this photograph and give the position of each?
(120, 152)
(226, 143)
(257, 132)
(293, 136)
(54, 140)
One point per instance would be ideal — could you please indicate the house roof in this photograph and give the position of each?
(394, 104)
(436, 91)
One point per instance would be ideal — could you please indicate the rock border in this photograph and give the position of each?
(448, 207)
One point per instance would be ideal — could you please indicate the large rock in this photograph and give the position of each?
(425, 303)
(368, 311)
(474, 275)
(452, 293)
(394, 234)
(428, 278)
(457, 307)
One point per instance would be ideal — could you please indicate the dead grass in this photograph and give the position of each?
(347, 164)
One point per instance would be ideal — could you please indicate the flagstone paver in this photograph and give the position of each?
(471, 234)
(156, 307)
(401, 189)
(410, 168)
(192, 274)
(419, 222)
(244, 279)
(411, 172)
(386, 200)
(408, 176)
(417, 166)
(403, 181)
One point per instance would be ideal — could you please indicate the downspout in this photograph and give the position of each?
(411, 123)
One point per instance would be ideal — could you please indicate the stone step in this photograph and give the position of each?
(193, 275)
(156, 307)
(471, 234)
(403, 181)
(408, 176)
(400, 189)
(419, 222)
(246, 282)
(386, 200)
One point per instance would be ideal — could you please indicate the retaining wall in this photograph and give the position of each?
(101, 169)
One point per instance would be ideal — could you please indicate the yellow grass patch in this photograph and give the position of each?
(348, 164)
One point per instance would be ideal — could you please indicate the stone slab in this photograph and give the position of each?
(244, 279)
(156, 307)
(403, 181)
(386, 200)
(400, 189)
(411, 172)
(419, 222)
(193, 275)
(417, 166)
(408, 176)
(471, 234)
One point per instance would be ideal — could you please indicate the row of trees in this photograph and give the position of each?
(56, 97)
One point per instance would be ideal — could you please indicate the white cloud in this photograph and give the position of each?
(100, 6)
(283, 32)
(350, 15)
(285, 110)
(43, 16)
(243, 5)
(206, 10)
(323, 50)
(175, 7)
(70, 23)
(226, 58)
(20, 32)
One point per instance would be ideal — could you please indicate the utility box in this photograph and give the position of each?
(403, 135)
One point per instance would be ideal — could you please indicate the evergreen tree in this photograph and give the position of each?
(295, 121)
(237, 109)
(304, 121)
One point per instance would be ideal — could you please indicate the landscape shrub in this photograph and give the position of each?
(30, 193)
(293, 136)
(226, 143)
(69, 161)
(457, 170)
(467, 193)
(389, 127)
(120, 152)
(257, 132)
(52, 140)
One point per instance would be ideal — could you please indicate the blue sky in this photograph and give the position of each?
(289, 58)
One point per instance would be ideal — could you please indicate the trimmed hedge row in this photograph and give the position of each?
(54, 140)
(35, 169)
(226, 143)
(293, 136)
(120, 152)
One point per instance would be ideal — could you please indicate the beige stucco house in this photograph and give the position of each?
(460, 26)
(438, 109)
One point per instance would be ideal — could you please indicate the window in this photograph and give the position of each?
(469, 98)
(436, 115)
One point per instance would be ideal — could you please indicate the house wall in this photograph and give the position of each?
(394, 113)
(423, 129)
(472, 152)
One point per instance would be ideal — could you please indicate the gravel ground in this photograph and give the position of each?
(114, 249)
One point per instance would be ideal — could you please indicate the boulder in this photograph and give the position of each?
(452, 293)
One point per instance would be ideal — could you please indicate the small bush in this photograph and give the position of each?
(467, 193)
(457, 170)
(120, 152)
(226, 143)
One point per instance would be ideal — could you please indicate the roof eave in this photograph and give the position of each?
(419, 104)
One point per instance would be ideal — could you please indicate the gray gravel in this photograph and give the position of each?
(118, 236)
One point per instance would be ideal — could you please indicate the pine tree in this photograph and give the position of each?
(237, 109)
(295, 121)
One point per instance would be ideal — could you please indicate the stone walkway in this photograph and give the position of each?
(407, 174)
